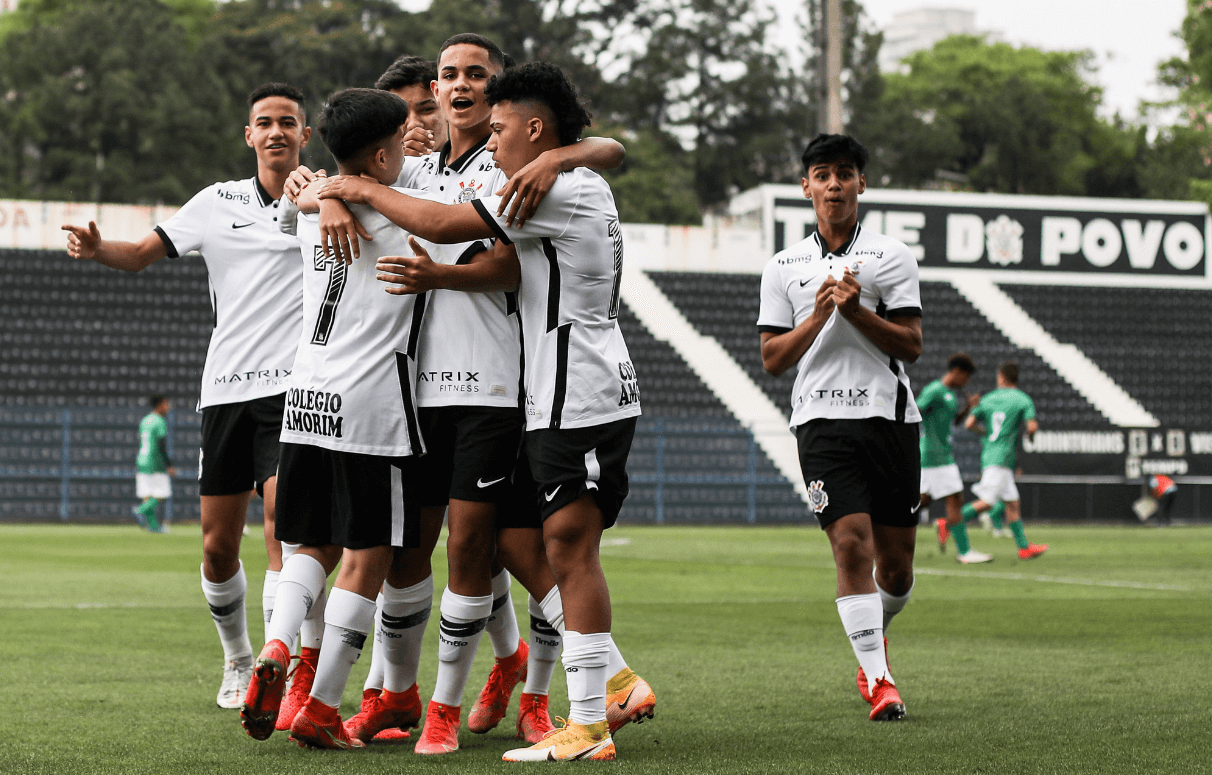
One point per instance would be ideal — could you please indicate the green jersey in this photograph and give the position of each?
(939, 406)
(153, 451)
(1003, 412)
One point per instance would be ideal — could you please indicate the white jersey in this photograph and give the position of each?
(578, 372)
(353, 386)
(256, 288)
(843, 375)
(470, 352)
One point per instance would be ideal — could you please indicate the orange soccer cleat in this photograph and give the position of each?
(383, 712)
(493, 702)
(259, 712)
(534, 722)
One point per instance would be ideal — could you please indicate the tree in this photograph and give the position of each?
(1178, 163)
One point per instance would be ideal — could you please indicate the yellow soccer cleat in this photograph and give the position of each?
(628, 698)
(571, 742)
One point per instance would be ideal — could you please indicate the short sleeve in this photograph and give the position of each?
(555, 212)
(411, 172)
(775, 314)
(1029, 413)
(186, 229)
(981, 412)
(897, 283)
(925, 401)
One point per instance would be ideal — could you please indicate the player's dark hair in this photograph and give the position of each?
(542, 83)
(495, 54)
(827, 149)
(155, 400)
(408, 71)
(963, 362)
(1009, 371)
(278, 90)
(353, 120)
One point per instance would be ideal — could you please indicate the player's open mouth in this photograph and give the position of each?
(461, 103)
(276, 147)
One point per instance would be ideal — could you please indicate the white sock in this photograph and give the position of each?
(402, 624)
(268, 590)
(461, 627)
(545, 644)
(892, 604)
(585, 657)
(553, 609)
(226, 601)
(861, 620)
(311, 630)
(374, 678)
(347, 622)
(502, 625)
(300, 584)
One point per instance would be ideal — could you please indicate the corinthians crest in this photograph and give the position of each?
(468, 191)
(818, 499)
(1004, 241)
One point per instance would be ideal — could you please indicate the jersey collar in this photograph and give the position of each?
(846, 246)
(262, 194)
(461, 163)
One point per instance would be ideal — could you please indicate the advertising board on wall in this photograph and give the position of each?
(1125, 452)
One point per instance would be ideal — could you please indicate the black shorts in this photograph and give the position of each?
(568, 462)
(868, 466)
(326, 497)
(519, 507)
(240, 445)
(470, 453)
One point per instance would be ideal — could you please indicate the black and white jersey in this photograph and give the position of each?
(354, 383)
(470, 351)
(843, 375)
(255, 288)
(578, 372)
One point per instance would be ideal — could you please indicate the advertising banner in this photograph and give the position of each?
(1127, 452)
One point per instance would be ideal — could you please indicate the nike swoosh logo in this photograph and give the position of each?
(627, 699)
(482, 484)
(241, 225)
(804, 282)
(552, 494)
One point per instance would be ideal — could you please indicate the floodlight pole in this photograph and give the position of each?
(829, 108)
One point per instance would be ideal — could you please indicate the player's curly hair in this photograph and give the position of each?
(407, 71)
(826, 148)
(545, 84)
(962, 361)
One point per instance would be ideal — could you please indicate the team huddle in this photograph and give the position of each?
(432, 335)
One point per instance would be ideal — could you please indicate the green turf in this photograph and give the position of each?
(1094, 658)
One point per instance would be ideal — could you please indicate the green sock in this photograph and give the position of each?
(968, 513)
(960, 534)
(149, 513)
(997, 514)
(1020, 538)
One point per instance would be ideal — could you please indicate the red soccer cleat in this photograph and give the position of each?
(259, 712)
(385, 711)
(301, 679)
(940, 525)
(861, 680)
(886, 704)
(319, 726)
(534, 721)
(1032, 551)
(490, 706)
(441, 731)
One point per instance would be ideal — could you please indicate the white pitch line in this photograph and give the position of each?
(87, 606)
(1050, 579)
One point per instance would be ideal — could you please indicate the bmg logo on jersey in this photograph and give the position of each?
(629, 386)
(313, 411)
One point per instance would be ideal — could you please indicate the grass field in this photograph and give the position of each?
(1094, 658)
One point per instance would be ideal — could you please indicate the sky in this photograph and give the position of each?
(1129, 39)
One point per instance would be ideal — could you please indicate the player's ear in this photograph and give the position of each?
(862, 186)
(248, 136)
(534, 128)
(433, 87)
(804, 186)
(306, 136)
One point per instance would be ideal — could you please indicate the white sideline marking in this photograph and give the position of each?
(615, 542)
(86, 606)
(1050, 579)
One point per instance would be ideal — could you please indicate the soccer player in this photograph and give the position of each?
(153, 469)
(998, 419)
(349, 436)
(843, 308)
(257, 298)
(941, 410)
(581, 393)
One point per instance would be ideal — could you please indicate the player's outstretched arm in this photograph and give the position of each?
(782, 351)
(444, 224)
(900, 336)
(488, 270)
(531, 184)
(1032, 428)
(86, 244)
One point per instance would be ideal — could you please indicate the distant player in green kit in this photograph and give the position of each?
(941, 410)
(998, 418)
(154, 470)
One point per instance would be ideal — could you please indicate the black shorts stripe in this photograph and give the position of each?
(461, 629)
(405, 622)
(561, 376)
(553, 285)
(543, 627)
(410, 409)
